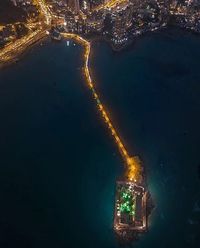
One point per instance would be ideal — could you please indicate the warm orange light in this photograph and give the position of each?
(133, 165)
(110, 4)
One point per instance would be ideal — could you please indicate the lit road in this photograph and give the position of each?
(45, 11)
(15, 48)
(132, 163)
(111, 4)
(133, 168)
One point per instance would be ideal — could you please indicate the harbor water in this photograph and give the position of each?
(59, 164)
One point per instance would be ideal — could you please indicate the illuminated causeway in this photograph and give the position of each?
(133, 170)
(131, 195)
(132, 163)
(130, 217)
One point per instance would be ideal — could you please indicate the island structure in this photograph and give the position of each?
(118, 22)
(130, 216)
(133, 203)
(130, 208)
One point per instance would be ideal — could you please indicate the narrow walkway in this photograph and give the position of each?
(133, 168)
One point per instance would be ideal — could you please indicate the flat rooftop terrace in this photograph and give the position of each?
(130, 207)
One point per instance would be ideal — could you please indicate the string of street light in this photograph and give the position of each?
(133, 168)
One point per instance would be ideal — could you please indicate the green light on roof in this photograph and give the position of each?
(133, 213)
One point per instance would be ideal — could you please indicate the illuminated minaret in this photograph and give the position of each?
(74, 5)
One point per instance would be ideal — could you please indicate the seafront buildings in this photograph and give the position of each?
(117, 21)
(120, 21)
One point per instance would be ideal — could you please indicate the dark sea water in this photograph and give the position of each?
(58, 164)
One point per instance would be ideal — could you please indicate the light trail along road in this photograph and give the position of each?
(17, 47)
(133, 168)
(132, 163)
(111, 4)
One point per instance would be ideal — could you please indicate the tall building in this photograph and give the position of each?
(74, 5)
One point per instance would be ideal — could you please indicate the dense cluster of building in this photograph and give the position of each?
(120, 21)
(186, 14)
(11, 32)
(28, 6)
(125, 20)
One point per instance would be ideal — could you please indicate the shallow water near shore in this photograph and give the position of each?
(58, 162)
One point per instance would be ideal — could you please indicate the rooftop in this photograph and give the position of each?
(130, 207)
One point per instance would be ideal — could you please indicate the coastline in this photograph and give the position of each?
(16, 56)
(129, 45)
(159, 159)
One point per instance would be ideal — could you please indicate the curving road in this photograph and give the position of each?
(132, 163)
(133, 168)
(17, 47)
(111, 4)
